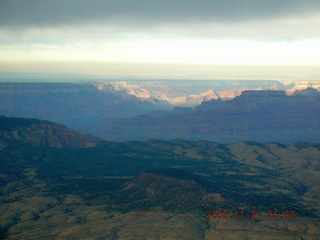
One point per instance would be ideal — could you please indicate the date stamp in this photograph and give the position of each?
(253, 214)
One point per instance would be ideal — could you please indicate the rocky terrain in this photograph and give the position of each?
(193, 93)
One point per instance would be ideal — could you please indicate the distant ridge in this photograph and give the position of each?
(74, 105)
(263, 93)
(308, 92)
(263, 116)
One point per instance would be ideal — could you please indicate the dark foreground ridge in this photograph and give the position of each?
(133, 189)
(44, 133)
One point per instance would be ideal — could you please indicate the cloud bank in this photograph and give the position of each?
(128, 13)
(141, 32)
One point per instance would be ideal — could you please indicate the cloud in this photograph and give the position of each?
(168, 31)
(23, 14)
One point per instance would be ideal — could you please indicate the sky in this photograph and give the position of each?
(167, 39)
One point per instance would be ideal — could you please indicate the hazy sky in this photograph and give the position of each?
(207, 39)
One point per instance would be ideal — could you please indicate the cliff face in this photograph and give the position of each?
(44, 133)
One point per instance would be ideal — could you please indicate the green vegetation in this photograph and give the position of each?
(46, 190)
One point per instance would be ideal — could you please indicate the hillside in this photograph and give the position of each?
(135, 189)
(44, 133)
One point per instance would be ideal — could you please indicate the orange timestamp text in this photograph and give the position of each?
(253, 214)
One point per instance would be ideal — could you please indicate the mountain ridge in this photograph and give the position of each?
(262, 116)
(44, 133)
(74, 105)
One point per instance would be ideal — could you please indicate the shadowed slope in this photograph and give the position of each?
(44, 133)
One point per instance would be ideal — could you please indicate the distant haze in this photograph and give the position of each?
(217, 39)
